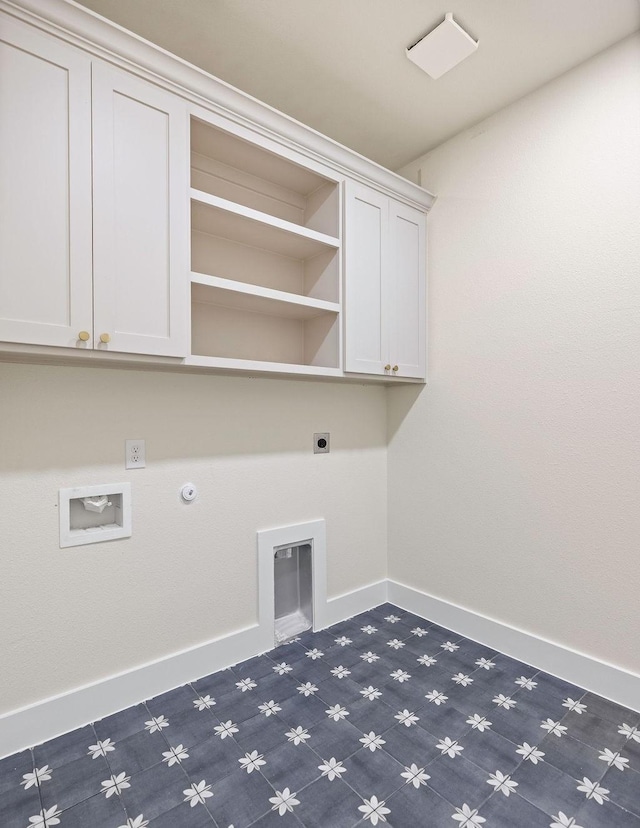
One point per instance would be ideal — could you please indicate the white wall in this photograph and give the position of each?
(188, 575)
(514, 477)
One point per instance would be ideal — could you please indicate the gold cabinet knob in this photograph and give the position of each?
(105, 338)
(83, 336)
(395, 368)
(387, 367)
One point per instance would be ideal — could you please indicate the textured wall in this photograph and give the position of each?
(514, 478)
(188, 575)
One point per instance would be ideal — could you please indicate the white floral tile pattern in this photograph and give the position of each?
(385, 719)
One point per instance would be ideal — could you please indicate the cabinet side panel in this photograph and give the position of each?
(45, 231)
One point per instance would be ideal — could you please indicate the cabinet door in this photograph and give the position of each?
(407, 293)
(140, 162)
(366, 254)
(45, 188)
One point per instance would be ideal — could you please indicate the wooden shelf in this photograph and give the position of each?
(243, 296)
(220, 217)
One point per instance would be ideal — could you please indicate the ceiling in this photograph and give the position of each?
(340, 65)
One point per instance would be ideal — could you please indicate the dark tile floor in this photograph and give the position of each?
(381, 719)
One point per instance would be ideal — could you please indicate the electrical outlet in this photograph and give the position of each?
(321, 443)
(134, 454)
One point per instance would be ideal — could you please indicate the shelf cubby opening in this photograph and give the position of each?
(316, 276)
(230, 168)
(222, 328)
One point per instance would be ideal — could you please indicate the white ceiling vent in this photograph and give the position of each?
(443, 48)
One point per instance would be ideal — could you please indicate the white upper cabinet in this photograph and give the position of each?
(150, 210)
(385, 285)
(90, 260)
(45, 188)
(140, 232)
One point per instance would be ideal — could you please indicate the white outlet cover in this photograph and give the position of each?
(134, 454)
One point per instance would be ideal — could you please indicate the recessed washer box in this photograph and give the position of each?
(92, 514)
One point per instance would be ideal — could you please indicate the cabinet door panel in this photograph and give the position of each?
(366, 334)
(408, 290)
(45, 188)
(140, 207)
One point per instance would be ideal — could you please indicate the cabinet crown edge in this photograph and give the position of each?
(109, 41)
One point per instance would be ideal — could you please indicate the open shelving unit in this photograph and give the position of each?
(265, 258)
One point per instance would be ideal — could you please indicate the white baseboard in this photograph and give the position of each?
(52, 717)
(44, 720)
(599, 677)
(351, 603)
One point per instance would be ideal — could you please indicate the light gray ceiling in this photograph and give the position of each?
(340, 65)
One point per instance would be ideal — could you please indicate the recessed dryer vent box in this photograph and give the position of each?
(92, 514)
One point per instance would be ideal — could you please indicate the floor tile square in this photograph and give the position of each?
(605, 709)
(239, 706)
(183, 816)
(443, 720)
(291, 766)
(334, 739)
(120, 725)
(410, 807)
(137, 752)
(212, 759)
(573, 757)
(411, 745)
(458, 780)
(342, 656)
(261, 733)
(74, 782)
(547, 787)
(304, 711)
(257, 667)
(374, 773)
(309, 669)
(13, 768)
(176, 701)
(239, 799)
(97, 811)
(607, 815)
(328, 803)
(624, 789)
(372, 715)
(290, 652)
(155, 791)
(65, 748)
(631, 751)
(17, 805)
(217, 684)
(189, 728)
(594, 731)
(339, 691)
(490, 751)
(472, 700)
(273, 819)
(517, 724)
(557, 687)
(507, 812)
